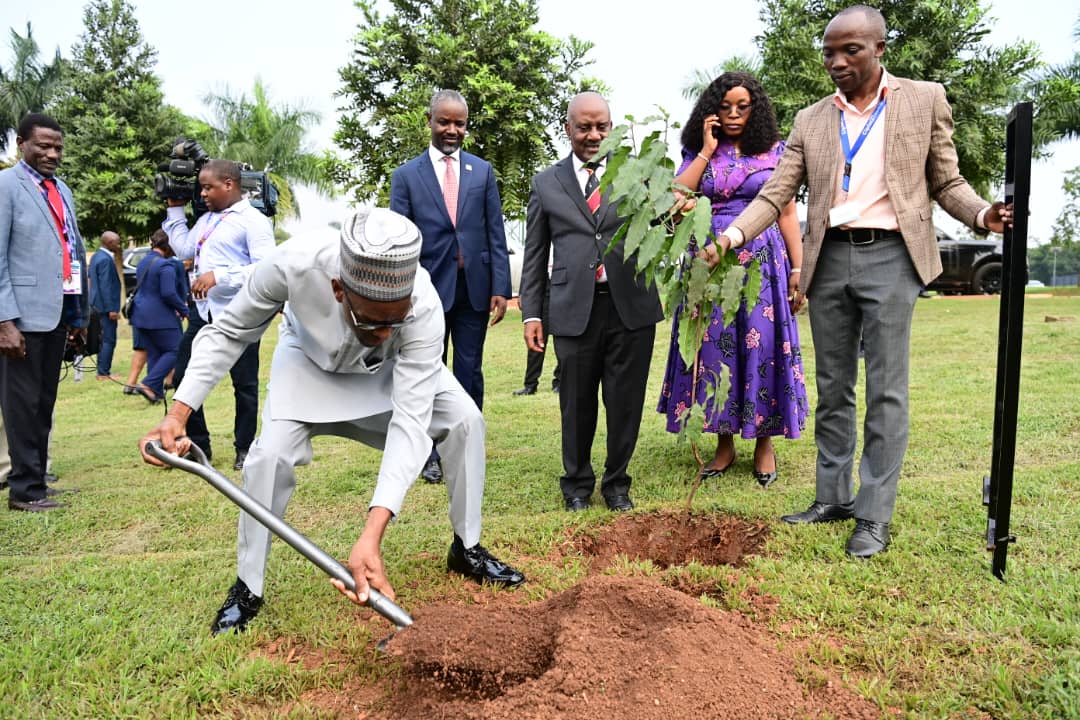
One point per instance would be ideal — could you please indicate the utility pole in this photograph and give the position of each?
(1053, 273)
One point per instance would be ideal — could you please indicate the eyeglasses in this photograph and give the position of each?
(372, 326)
(740, 110)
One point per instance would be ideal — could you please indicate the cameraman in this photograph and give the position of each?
(223, 245)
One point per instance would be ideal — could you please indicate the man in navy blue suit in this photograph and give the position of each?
(452, 197)
(105, 298)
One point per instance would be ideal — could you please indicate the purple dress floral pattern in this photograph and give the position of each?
(761, 347)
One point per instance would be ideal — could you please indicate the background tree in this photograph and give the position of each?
(116, 124)
(516, 79)
(269, 138)
(1057, 98)
(941, 41)
(26, 85)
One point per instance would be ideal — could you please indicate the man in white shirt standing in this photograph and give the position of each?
(223, 245)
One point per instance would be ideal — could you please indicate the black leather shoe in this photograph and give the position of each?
(619, 503)
(478, 564)
(576, 504)
(868, 539)
(240, 607)
(527, 390)
(34, 505)
(432, 472)
(822, 512)
(241, 456)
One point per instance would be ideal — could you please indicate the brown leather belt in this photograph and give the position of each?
(860, 236)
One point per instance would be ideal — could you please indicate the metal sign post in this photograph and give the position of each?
(997, 487)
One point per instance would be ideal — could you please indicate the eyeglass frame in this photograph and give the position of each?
(371, 327)
(740, 110)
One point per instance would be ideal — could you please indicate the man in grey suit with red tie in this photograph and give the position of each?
(601, 313)
(874, 155)
(452, 197)
(43, 299)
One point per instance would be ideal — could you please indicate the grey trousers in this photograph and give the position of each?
(867, 292)
(456, 424)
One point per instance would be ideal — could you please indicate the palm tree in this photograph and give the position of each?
(270, 139)
(1057, 93)
(701, 78)
(26, 85)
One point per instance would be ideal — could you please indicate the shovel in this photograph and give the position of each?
(201, 467)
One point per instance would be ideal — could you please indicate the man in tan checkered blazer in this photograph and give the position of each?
(874, 155)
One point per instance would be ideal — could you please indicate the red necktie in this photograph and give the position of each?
(592, 188)
(57, 207)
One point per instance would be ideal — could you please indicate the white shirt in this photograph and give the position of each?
(236, 238)
(439, 165)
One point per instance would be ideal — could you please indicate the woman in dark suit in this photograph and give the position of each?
(158, 311)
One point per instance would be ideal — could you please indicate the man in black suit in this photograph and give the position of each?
(602, 316)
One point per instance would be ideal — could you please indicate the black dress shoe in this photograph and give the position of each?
(241, 456)
(527, 390)
(34, 505)
(130, 390)
(576, 504)
(478, 564)
(240, 607)
(868, 539)
(432, 472)
(619, 503)
(822, 512)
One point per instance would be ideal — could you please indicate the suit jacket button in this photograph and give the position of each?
(599, 236)
(592, 265)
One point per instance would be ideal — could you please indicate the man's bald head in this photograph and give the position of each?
(588, 122)
(870, 19)
(110, 241)
(589, 99)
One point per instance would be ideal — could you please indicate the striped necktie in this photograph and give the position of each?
(592, 187)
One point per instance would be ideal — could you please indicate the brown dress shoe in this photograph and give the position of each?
(34, 505)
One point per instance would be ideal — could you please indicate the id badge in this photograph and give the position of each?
(74, 285)
(192, 276)
(843, 214)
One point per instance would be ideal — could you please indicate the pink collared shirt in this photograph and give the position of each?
(867, 189)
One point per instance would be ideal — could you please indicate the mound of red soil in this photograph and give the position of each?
(610, 647)
(674, 539)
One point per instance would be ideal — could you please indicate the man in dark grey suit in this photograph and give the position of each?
(43, 298)
(602, 315)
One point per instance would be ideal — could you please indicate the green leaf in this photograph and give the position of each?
(731, 286)
(689, 339)
(650, 251)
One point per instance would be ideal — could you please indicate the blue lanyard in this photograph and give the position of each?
(849, 152)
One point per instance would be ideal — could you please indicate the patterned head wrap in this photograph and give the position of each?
(379, 254)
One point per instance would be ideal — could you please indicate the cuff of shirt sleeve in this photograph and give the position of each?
(529, 320)
(390, 498)
(735, 235)
(980, 219)
(175, 212)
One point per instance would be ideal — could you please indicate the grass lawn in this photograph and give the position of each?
(107, 604)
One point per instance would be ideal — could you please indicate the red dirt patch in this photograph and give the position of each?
(669, 540)
(612, 647)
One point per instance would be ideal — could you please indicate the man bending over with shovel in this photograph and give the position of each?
(359, 356)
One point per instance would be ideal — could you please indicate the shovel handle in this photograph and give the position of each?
(201, 466)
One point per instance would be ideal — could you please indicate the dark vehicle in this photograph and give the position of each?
(969, 267)
(132, 256)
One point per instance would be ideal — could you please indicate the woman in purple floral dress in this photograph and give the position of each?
(730, 148)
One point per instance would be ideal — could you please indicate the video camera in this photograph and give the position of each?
(187, 159)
